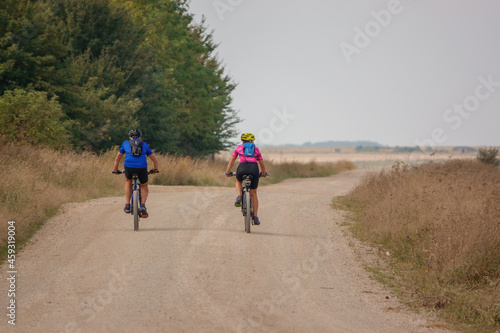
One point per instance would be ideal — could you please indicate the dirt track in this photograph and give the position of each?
(192, 268)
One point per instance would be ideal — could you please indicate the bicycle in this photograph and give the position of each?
(246, 200)
(135, 199)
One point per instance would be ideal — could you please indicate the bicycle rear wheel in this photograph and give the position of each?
(248, 212)
(135, 202)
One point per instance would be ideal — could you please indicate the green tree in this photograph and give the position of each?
(207, 92)
(102, 71)
(30, 46)
(115, 65)
(192, 92)
(32, 117)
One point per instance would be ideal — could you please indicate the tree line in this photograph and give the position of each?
(83, 72)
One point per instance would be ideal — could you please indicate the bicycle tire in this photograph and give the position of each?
(135, 202)
(248, 212)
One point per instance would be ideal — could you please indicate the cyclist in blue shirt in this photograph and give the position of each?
(136, 164)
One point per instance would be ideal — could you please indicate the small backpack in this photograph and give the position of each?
(249, 149)
(135, 147)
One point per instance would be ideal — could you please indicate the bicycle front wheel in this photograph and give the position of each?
(135, 203)
(248, 212)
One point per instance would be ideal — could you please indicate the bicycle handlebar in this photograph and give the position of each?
(231, 174)
(150, 172)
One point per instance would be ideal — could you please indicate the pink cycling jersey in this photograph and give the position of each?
(240, 150)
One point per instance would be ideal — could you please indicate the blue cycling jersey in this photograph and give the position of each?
(135, 161)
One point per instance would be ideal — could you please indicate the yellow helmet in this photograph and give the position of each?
(247, 137)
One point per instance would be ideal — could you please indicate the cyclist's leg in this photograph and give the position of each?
(143, 178)
(144, 193)
(128, 184)
(240, 171)
(254, 171)
(128, 190)
(255, 201)
(239, 179)
(239, 187)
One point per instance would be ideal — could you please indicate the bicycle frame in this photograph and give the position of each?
(136, 207)
(246, 204)
(135, 187)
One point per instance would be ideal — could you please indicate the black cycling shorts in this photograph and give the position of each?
(248, 168)
(141, 172)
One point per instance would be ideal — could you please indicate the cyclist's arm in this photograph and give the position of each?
(230, 164)
(117, 161)
(262, 166)
(155, 161)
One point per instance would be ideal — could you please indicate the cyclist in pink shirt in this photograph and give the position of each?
(250, 159)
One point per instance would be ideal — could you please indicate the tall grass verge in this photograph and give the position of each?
(37, 181)
(440, 223)
(286, 170)
(210, 172)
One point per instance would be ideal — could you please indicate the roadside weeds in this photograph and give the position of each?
(437, 231)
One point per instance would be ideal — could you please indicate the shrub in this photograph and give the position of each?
(31, 117)
(488, 156)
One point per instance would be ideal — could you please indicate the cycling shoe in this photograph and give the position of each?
(237, 203)
(144, 212)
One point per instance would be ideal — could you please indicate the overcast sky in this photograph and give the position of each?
(396, 72)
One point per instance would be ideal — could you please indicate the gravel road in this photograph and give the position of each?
(192, 268)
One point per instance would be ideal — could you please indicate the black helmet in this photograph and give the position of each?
(135, 133)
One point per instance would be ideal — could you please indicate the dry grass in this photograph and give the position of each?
(440, 222)
(177, 170)
(37, 181)
(210, 172)
(285, 170)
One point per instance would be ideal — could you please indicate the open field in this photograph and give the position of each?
(384, 157)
